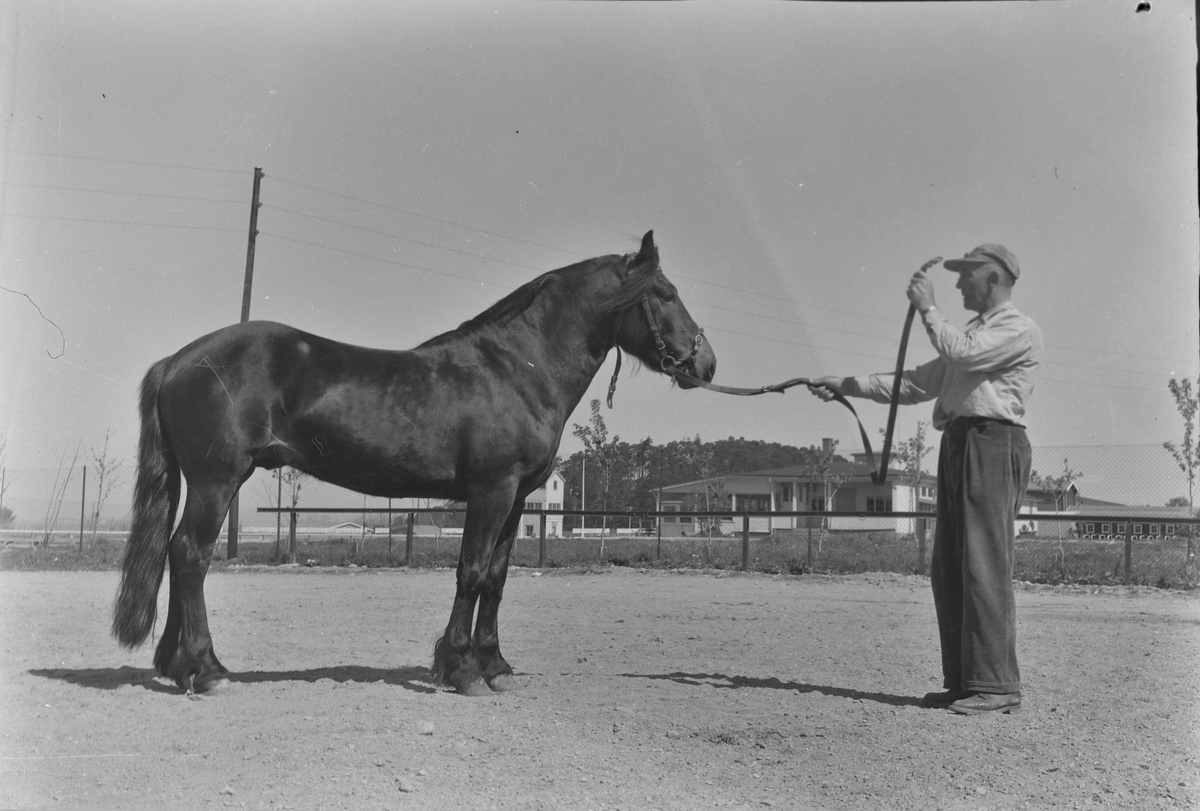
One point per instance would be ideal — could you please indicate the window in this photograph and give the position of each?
(533, 505)
(1106, 529)
(760, 504)
(785, 493)
(1089, 529)
(879, 504)
(816, 505)
(555, 488)
(1138, 529)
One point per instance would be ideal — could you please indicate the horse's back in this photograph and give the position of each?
(377, 421)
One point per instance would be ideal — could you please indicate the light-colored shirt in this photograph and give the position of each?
(985, 370)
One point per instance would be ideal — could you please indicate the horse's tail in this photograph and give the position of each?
(155, 501)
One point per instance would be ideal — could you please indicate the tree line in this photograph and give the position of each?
(613, 474)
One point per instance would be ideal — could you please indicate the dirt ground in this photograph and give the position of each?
(642, 690)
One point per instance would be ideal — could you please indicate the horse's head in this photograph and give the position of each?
(653, 324)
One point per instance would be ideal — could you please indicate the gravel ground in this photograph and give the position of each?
(642, 690)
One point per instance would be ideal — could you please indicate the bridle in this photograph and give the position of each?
(675, 367)
(667, 362)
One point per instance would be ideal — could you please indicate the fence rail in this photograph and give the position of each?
(1126, 521)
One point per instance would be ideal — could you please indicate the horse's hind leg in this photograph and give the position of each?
(185, 651)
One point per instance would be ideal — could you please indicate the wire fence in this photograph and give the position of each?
(1140, 550)
(1131, 521)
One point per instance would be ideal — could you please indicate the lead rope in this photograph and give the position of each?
(878, 476)
(897, 381)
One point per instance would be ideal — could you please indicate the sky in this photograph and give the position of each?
(797, 161)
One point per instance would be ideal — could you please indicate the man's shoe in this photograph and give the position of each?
(942, 701)
(979, 703)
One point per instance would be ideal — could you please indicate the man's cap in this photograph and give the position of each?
(987, 254)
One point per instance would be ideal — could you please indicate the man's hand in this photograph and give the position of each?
(826, 387)
(920, 289)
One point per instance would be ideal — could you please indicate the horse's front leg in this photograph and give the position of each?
(456, 661)
(496, 671)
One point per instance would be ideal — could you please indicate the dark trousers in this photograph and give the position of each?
(983, 470)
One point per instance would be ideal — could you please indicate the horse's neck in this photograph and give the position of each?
(571, 333)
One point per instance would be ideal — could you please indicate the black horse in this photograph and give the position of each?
(475, 415)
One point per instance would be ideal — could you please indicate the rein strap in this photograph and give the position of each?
(876, 477)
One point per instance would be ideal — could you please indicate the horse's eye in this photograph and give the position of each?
(667, 293)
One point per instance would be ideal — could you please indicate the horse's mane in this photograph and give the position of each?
(636, 284)
(630, 291)
(506, 309)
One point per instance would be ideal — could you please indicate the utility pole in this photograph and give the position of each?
(254, 206)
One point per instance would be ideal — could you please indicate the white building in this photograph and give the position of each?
(799, 488)
(547, 497)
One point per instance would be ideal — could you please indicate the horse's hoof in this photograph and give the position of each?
(504, 683)
(475, 689)
(218, 686)
(215, 686)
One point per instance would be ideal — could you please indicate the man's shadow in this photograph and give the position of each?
(721, 681)
(415, 679)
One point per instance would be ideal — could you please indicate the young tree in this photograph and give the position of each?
(603, 453)
(702, 460)
(6, 481)
(59, 490)
(1187, 454)
(1058, 487)
(822, 468)
(107, 474)
(910, 453)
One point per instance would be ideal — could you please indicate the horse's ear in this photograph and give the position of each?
(648, 253)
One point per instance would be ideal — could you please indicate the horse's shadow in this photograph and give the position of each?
(720, 680)
(415, 679)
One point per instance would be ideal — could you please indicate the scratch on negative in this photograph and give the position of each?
(278, 441)
(207, 363)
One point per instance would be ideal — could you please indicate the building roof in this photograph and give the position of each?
(854, 471)
(1105, 509)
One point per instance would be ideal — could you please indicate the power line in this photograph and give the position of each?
(719, 285)
(151, 195)
(122, 222)
(775, 298)
(128, 162)
(403, 239)
(431, 219)
(385, 261)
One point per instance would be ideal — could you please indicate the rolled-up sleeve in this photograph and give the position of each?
(917, 385)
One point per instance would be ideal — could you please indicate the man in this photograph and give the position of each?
(981, 380)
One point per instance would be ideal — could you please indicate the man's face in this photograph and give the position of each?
(975, 284)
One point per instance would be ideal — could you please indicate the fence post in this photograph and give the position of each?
(921, 546)
(292, 537)
(408, 536)
(1128, 552)
(745, 541)
(542, 543)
